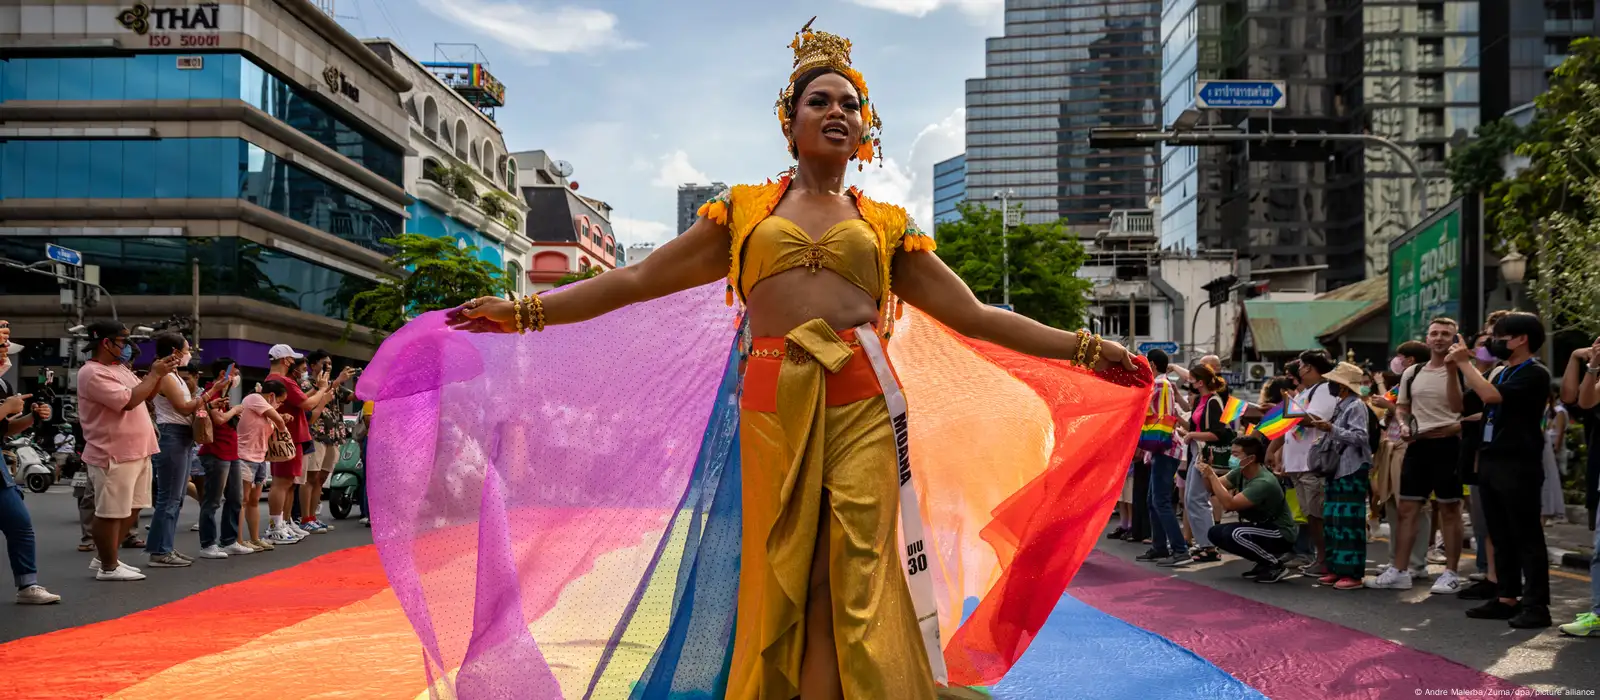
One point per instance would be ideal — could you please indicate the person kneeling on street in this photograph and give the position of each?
(1268, 530)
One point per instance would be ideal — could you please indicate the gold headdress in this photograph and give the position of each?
(814, 50)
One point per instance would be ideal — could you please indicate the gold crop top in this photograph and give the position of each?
(849, 248)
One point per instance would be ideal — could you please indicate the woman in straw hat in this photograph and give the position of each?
(1344, 510)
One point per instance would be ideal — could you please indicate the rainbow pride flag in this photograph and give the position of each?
(1393, 395)
(1233, 411)
(1275, 423)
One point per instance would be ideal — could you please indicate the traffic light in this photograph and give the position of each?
(1256, 289)
(1218, 289)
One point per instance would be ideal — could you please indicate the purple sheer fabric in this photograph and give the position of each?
(521, 485)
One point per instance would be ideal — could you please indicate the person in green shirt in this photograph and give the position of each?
(1267, 530)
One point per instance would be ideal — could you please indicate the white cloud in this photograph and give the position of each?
(677, 170)
(918, 8)
(911, 185)
(564, 29)
(633, 231)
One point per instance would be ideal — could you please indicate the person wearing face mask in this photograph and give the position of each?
(1580, 388)
(119, 440)
(1206, 436)
(294, 409)
(16, 525)
(1266, 531)
(1510, 472)
(174, 405)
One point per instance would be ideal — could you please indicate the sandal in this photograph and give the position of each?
(1208, 555)
(86, 547)
(133, 543)
(1329, 579)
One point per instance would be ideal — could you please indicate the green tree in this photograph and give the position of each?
(441, 276)
(1044, 262)
(579, 276)
(1549, 209)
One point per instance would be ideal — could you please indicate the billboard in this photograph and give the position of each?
(1425, 275)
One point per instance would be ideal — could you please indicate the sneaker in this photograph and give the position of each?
(194, 528)
(1273, 575)
(121, 574)
(1436, 556)
(1178, 559)
(170, 560)
(213, 552)
(1151, 554)
(1448, 582)
(238, 549)
(1587, 625)
(1347, 583)
(94, 565)
(1421, 574)
(296, 530)
(1391, 579)
(1482, 590)
(367, 522)
(1298, 561)
(262, 545)
(1476, 577)
(1492, 610)
(283, 536)
(325, 527)
(1329, 579)
(1531, 618)
(36, 595)
(1256, 571)
(1117, 533)
(182, 556)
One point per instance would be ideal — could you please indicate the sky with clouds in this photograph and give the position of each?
(643, 95)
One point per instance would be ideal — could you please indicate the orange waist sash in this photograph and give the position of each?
(853, 382)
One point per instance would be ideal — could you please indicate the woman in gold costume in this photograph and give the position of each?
(823, 610)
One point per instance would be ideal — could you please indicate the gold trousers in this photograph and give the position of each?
(804, 458)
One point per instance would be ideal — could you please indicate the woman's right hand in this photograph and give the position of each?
(484, 315)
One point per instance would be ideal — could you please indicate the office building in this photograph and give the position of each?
(459, 171)
(273, 154)
(1285, 206)
(690, 197)
(949, 189)
(568, 232)
(1063, 67)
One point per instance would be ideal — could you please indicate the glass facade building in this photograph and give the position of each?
(1062, 68)
(949, 189)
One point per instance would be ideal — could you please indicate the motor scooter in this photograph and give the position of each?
(33, 465)
(344, 488)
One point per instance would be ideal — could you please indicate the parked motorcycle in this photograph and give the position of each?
(33, 466)
(344, 488)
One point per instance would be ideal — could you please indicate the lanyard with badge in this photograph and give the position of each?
(1491, 412)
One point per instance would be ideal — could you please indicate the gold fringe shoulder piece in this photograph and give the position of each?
(746, 206)
(716, 208)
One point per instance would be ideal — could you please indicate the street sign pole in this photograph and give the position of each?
(1241, 94)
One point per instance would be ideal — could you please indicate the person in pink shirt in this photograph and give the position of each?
(119, 440)
(258, 419)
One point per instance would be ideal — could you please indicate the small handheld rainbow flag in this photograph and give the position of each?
(1393, 395)
(1233, 410)
(1275, 423)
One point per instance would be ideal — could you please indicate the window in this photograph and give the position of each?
(221, 76)
(228, 267)
(203, 168)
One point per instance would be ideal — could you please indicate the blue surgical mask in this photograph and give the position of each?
(127, 353)
(1233, 461)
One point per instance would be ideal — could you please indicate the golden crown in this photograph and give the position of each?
(814, 49)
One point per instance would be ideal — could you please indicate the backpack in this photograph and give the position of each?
(1374, 429)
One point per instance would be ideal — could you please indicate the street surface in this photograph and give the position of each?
(65, 571)
(1544, 660)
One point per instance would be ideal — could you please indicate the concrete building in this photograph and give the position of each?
(259, 139)
(569, 232)
(1144, 294)
(460, 172)
(637, 252)
(690, 197)
(1063, 67)
(949, 189)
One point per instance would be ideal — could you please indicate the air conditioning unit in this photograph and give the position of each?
(1259, 372)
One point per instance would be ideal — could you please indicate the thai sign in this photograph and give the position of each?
(1425, 277)
(174, 26)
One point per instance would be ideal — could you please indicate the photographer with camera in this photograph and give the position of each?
(18, 414)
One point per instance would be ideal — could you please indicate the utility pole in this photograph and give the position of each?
(194, 291)
(1005, 256)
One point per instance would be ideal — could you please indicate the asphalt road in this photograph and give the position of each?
(65, 571)
(1544, 660)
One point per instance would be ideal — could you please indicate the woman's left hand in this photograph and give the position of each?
(1112, 354)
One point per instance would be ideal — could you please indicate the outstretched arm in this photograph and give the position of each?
(924, 281)
(696, 258)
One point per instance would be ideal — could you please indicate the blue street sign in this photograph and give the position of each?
(65, 256)
(1240, 94)
(1007, 307)
(1170, 348)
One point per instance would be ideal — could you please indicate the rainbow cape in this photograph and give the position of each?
(1233, 410)
(1275, 423)
(560, 511)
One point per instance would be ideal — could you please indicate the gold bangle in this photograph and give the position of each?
(1082, 349)
(537, 320)
(1096, 359)
(516, 312)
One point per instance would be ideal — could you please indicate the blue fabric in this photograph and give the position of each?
(1081, 648)
(692, 661)
(171, 472)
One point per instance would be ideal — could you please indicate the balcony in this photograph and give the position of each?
(1573, 27)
